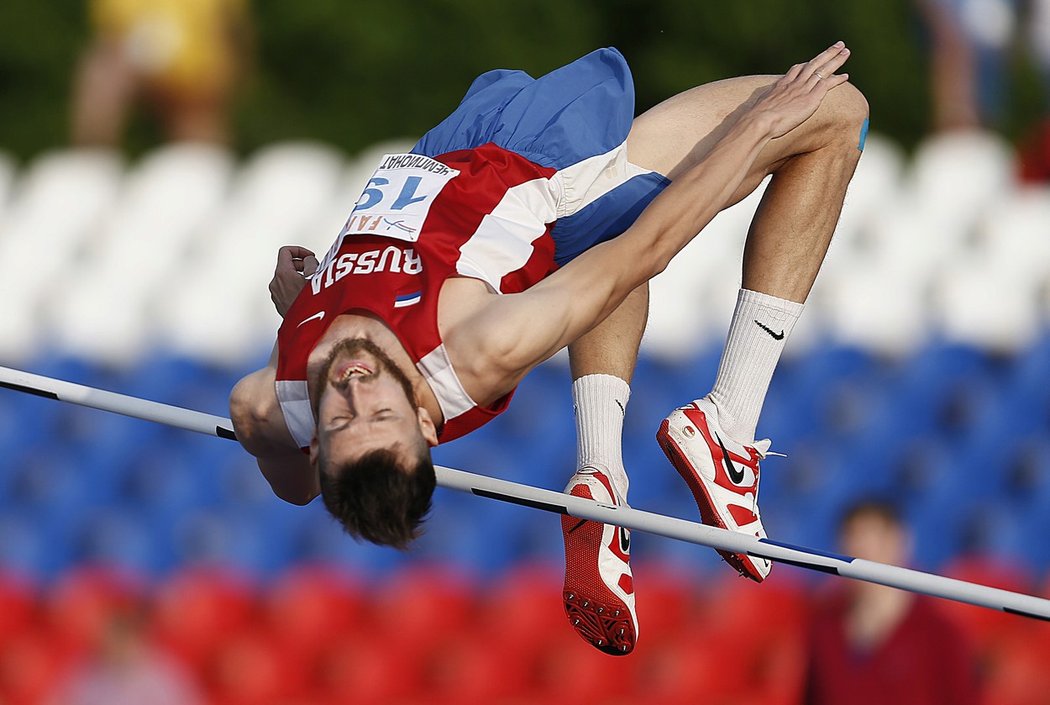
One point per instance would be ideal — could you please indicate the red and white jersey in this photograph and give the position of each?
(484, 213)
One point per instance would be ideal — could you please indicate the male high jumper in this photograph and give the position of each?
(532, 219)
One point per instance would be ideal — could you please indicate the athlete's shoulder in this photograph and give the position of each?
(256, 414)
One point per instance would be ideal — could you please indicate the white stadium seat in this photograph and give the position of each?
(955, 176)
(1015, 233)
(178, 251)
(58, 207)
(979, 302)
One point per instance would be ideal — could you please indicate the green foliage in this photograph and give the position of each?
(39, 42)
(351, 73)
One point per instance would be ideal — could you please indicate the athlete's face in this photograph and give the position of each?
(876, 538)
(362, 402)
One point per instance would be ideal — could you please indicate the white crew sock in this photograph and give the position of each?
(760, 328)
(600, 402)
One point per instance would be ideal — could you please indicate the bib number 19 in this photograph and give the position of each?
(398, 197)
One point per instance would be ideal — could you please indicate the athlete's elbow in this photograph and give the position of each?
(299, 498)
(247, 421)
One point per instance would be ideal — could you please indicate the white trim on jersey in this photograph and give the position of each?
(451, 397)
(503, 240)
(294, 396)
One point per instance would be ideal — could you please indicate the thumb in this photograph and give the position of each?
(310, 265)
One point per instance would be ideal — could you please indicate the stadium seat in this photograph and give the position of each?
(521, 607)
(120, 536)
(1017, 670)
(352, 670)
(30, 669)
(313, 605)
(955, 175)
(320, 539)
(859, 309)
(63, 197)
(982, 302)
(421, 605)
(80, 605)
(1012, 233)
(18, 605)
(194, 605)
(469, 669)
(252, 667)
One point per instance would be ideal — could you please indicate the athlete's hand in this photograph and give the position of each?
(797, 94)
(294, 264)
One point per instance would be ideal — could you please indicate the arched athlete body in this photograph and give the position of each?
(421, 320)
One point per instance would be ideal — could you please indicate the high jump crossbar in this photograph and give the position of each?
(559, 503)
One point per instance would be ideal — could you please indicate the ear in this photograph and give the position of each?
(315, 447)
(427, 426)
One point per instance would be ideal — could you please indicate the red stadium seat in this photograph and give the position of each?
(195, 607)
(1017, 672)
(469, 669)
(311, 606)
(522, 608)
(364, 668)
(18, 606)
(569, 670)
(252, 668)
(421, 605)
(30, 669)
(764, 627)
(669, 600)
(81, 604)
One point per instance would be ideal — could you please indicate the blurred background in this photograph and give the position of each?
(154, 154)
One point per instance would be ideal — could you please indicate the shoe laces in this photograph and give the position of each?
(762, 447)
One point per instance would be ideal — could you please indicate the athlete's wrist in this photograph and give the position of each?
(756, 124)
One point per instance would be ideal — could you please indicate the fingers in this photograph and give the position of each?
(296, 258)
(294, 251)
(826, 63)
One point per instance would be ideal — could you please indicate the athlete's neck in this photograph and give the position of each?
(350, 326)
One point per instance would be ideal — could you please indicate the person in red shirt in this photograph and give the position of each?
(871, 644)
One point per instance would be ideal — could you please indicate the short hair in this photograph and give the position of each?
(377, 499)
(884, 509)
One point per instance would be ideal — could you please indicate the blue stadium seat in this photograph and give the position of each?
(119, 537)
(320, 539)
(221, 536)
(24, 545)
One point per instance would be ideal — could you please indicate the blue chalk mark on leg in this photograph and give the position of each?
(863, 135)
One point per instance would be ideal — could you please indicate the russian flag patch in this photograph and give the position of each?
(407, 299)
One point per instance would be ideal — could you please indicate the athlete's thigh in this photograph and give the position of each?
(679, 132)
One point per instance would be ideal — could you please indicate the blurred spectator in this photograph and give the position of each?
(179, 57)
(874, 644)
(126, 670)
(971, 44)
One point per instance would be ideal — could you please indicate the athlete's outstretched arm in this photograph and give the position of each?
(524, 329)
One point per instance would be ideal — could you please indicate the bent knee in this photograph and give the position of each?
(846, 113)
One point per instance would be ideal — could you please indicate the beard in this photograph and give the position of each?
(385, 365)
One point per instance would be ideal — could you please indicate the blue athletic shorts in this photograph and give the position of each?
(575, 120)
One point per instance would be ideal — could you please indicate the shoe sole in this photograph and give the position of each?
(704, 502)
(603, 621)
